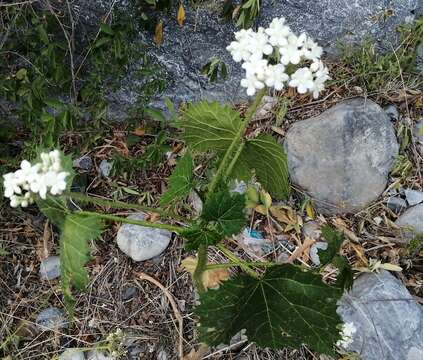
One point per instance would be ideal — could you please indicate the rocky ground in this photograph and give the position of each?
(357, 153)
(348, 151)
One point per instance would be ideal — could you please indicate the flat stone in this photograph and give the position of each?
(72, 354)
(105, 168)
(142, 243)
(195, 202)
(343, 156)
(50, 268)
(129, 293)
(264, 110)
(84, 162)
(392, 112)
(411, 222)
(413, 197)
(312, 230)
(52, 319)
(98, 355)
(396, 204)
(314, 251)
(389, 321)
(418, 131)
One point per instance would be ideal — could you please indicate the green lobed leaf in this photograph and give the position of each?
(54, 209)
(345, 277)
(180, 182)
(77, 230)
(334, 239)
(226, 211)
(209, 126)
(197, 235)
(285, 307)
(268, 159)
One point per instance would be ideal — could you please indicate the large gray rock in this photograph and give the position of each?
(411, 222)
(389, 321)
(140, 242)
(204, 36)
(343, 156)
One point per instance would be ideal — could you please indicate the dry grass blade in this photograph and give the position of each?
(175, 309)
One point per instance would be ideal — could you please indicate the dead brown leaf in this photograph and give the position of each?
(211, 278)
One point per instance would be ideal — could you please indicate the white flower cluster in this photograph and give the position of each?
(23, 185)
(347, 332)
(258, 49)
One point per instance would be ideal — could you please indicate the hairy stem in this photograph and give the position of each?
(115, 204)
(172, 228)
(236, 264)
(234, 159)
(245, 266)
(235, 142)
(200, 268)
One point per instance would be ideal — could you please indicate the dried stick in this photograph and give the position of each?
(175, 309)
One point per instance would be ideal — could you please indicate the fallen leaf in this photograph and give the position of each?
(196, 354)
(158, 33)
(360, 254)
(301, 249)
(261, 209)
(211, 278)
(181, 15)
(139, 131)
(310, 211)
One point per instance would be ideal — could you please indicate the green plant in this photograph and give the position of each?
(375, 70)
(55, 82)
(308, 306)
(288, 304)
(246, 12)
(213, 68)
(153, 155)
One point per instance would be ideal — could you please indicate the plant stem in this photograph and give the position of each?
(115, 204)
(227, 157)
(172, 228)
(235, 259)
(199, 269)
(236, 264)
(234, 159)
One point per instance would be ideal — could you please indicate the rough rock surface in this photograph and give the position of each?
(389, 321)
(418, 129)
(204, 36)
(314, 251)
(51, 319)
(50, 268)
(411, 222)
(140, 242)
(98, 355)
(72, 354)
(343, 156)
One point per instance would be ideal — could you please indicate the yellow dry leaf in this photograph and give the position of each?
(261, 210)
(360, 254)
(211, 278)
(286, 215)
(158, 33)
(310, 211)
(140, 131)
(181, 15)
